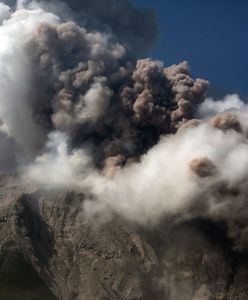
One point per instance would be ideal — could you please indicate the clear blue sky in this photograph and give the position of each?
(211, 34)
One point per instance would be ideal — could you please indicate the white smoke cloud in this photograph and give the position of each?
(94, 104)
(164, 183)
(58, 167)
(211, 107)
(15, 112)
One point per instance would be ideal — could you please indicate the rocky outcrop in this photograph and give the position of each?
(77, 259)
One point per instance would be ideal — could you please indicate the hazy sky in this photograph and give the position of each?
(211, 34)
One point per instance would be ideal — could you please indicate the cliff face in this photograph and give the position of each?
(47, 234)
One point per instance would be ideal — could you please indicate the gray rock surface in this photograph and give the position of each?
(47, 234)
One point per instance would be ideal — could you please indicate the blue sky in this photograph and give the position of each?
(211, 34)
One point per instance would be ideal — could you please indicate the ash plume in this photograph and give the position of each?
(79, 111)
(86, 85)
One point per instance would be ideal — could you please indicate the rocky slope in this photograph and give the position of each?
(45, 235)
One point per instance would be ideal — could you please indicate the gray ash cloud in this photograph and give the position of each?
(86, 85)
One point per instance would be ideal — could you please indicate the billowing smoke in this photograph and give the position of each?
(16, 117)
(139, 139)
(88, 86)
